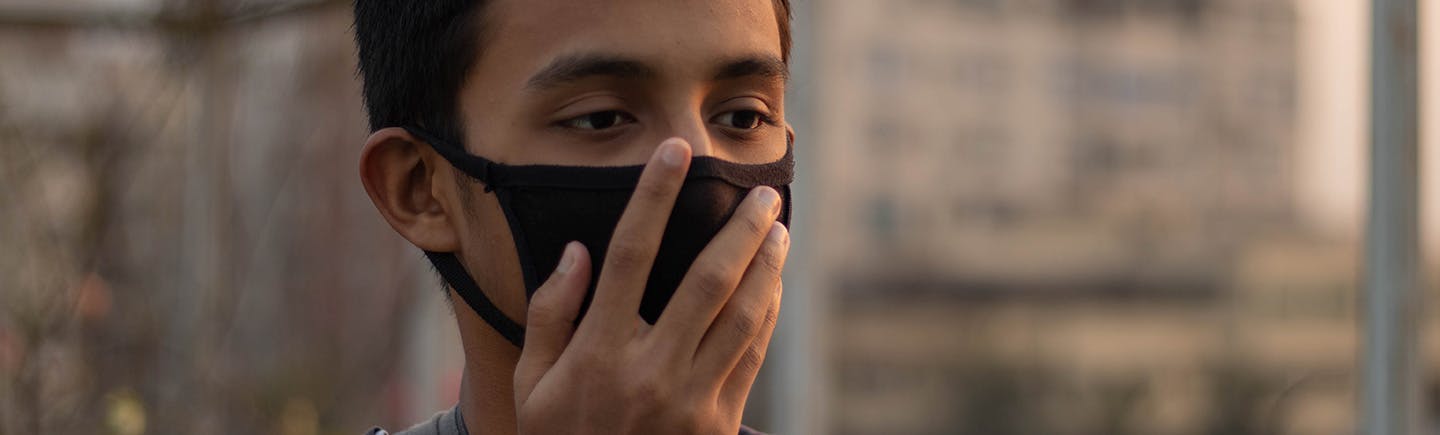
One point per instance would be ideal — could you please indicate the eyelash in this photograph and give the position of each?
(761, 119)
(619, 118)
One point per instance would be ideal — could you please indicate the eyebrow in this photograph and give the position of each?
(767, 67)
(577, 67)
(572, 68)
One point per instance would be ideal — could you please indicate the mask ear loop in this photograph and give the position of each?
(476, 167)
(522, 244)
(454, 273)
(449, 265)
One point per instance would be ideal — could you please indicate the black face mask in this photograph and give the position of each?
(547, 206)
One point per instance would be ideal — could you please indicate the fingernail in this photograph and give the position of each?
(778, 233)
(567, 260)
(674, 153)
(769, 197)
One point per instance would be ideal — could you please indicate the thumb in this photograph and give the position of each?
(550, 320)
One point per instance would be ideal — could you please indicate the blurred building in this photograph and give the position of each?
(1073, 216)
(1153, 133)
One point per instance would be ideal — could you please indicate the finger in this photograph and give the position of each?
(737, 386)
(747, 315)
(637, 236)
(550, 320)
(715, 274)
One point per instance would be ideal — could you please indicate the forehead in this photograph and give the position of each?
(525, 34)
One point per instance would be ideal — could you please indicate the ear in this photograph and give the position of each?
(403, 177)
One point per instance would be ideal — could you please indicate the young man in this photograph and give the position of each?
(573, 167)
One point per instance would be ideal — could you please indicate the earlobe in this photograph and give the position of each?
(400, 175)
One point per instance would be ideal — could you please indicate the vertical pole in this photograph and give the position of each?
(1390, 393)
(797, 405)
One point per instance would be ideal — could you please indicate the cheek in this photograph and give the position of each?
(488, 251)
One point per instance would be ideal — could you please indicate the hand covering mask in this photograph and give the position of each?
(547, 206)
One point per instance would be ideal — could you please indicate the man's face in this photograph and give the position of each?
(602, 83)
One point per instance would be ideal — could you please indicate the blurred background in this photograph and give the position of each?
(1013, 217)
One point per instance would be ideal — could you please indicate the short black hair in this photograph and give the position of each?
(414, 56)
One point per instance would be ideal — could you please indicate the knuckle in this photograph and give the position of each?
(542, 312)
(772, 316)
(757, 225)
(751, 361)
(714, 283)
(748, 322)
(771, 261)
(625, 255)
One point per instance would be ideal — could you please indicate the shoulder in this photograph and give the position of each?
(448, 422)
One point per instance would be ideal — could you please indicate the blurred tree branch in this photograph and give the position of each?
(166, 20)
(183, 338)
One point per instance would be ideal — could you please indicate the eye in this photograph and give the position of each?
(599, 120)
(742, 119)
